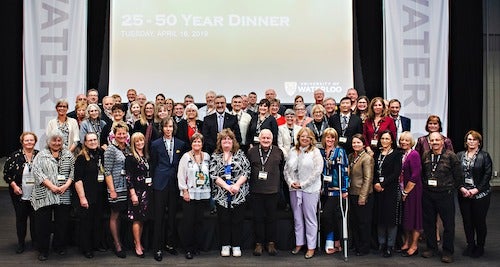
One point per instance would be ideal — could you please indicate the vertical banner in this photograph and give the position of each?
(55, 59)
(416, 59)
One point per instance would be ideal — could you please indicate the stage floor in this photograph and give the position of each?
(212, 258)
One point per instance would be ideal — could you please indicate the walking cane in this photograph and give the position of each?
(343, 208)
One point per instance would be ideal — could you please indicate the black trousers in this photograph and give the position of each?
(24, 211)
(192, 223)
(264, 208)
(165, 229)
(91, 225)
(331, 217)
(231, 225)
(360, 223)
(474, 213)
(43, 221)
(442, 203)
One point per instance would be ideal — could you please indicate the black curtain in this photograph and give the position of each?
(465, 77)
(465, 72)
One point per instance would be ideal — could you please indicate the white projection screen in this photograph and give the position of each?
(179, 47)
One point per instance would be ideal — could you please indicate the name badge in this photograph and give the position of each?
(200, 178)
(227, 176)
(469, 181)
(262, 175)
(123, 172)
(342, 139)
(30, 180)
(148, 180)
(381, 179)
(61, 177)
(374, 143)
(432, 182)
(256, 139)
(327, 178)
(100, 178)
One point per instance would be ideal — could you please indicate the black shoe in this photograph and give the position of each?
(478, 252)
(469, 250)
(43, 256)
(88, 255)
(428, 253)
(61, 252)
(101, 249)
(139, 255)
(158, 255)
(189, 255)
(387, 252)
(171, 250)
(20, 249)
(406, 254)
(359, 253)
(120, 254)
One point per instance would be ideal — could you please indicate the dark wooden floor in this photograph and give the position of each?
(212, 258)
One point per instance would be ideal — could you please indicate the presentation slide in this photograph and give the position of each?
(179, 47)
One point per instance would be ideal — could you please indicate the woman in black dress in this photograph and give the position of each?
(139, 186)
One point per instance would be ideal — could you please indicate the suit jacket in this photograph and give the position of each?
(210, 132)
(164, 172)
(354, 126)
(182, 129)
(405, 123)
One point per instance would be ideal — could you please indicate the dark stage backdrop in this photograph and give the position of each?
(465, 62)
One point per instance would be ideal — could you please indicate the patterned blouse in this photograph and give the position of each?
(57, 171)
(114, 165)
(240, 166)
(14, 167)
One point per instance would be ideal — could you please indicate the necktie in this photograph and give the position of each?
(344, 122)
(169, 149)
(221, 122)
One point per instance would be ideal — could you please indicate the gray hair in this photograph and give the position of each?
(190, 106)
(87, 115)
(56, 133)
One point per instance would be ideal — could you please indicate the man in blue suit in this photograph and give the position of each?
(402, 123)
(165, 155)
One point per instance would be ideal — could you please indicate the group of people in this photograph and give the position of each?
(144, 159)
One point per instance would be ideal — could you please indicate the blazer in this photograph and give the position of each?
(182, 129)
(354, 126)
(284, 138)
(268, 123)
(405, 123)
(481, 171)
(210, 131)
(164, 172)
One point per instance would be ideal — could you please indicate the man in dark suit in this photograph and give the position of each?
(346, 124)
(217, 121)
(402, 123)
(165, 155)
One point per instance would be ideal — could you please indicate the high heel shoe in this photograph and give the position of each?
(296, 250)
(139, 255)
(407, 253)
(309, 254)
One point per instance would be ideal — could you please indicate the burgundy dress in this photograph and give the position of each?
(412, 172)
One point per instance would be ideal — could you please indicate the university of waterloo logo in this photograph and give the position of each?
(290, 88)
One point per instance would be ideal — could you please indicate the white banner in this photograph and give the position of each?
(416, 59)
(55, 59)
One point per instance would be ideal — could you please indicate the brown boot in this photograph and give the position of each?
(258, 249)
(271, 249)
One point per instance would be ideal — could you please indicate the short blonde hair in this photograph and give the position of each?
(407, 135)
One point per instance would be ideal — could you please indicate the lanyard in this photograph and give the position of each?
(260, 122)
(380, 161)
(434, 163)
(319, 132)
(262, 160)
